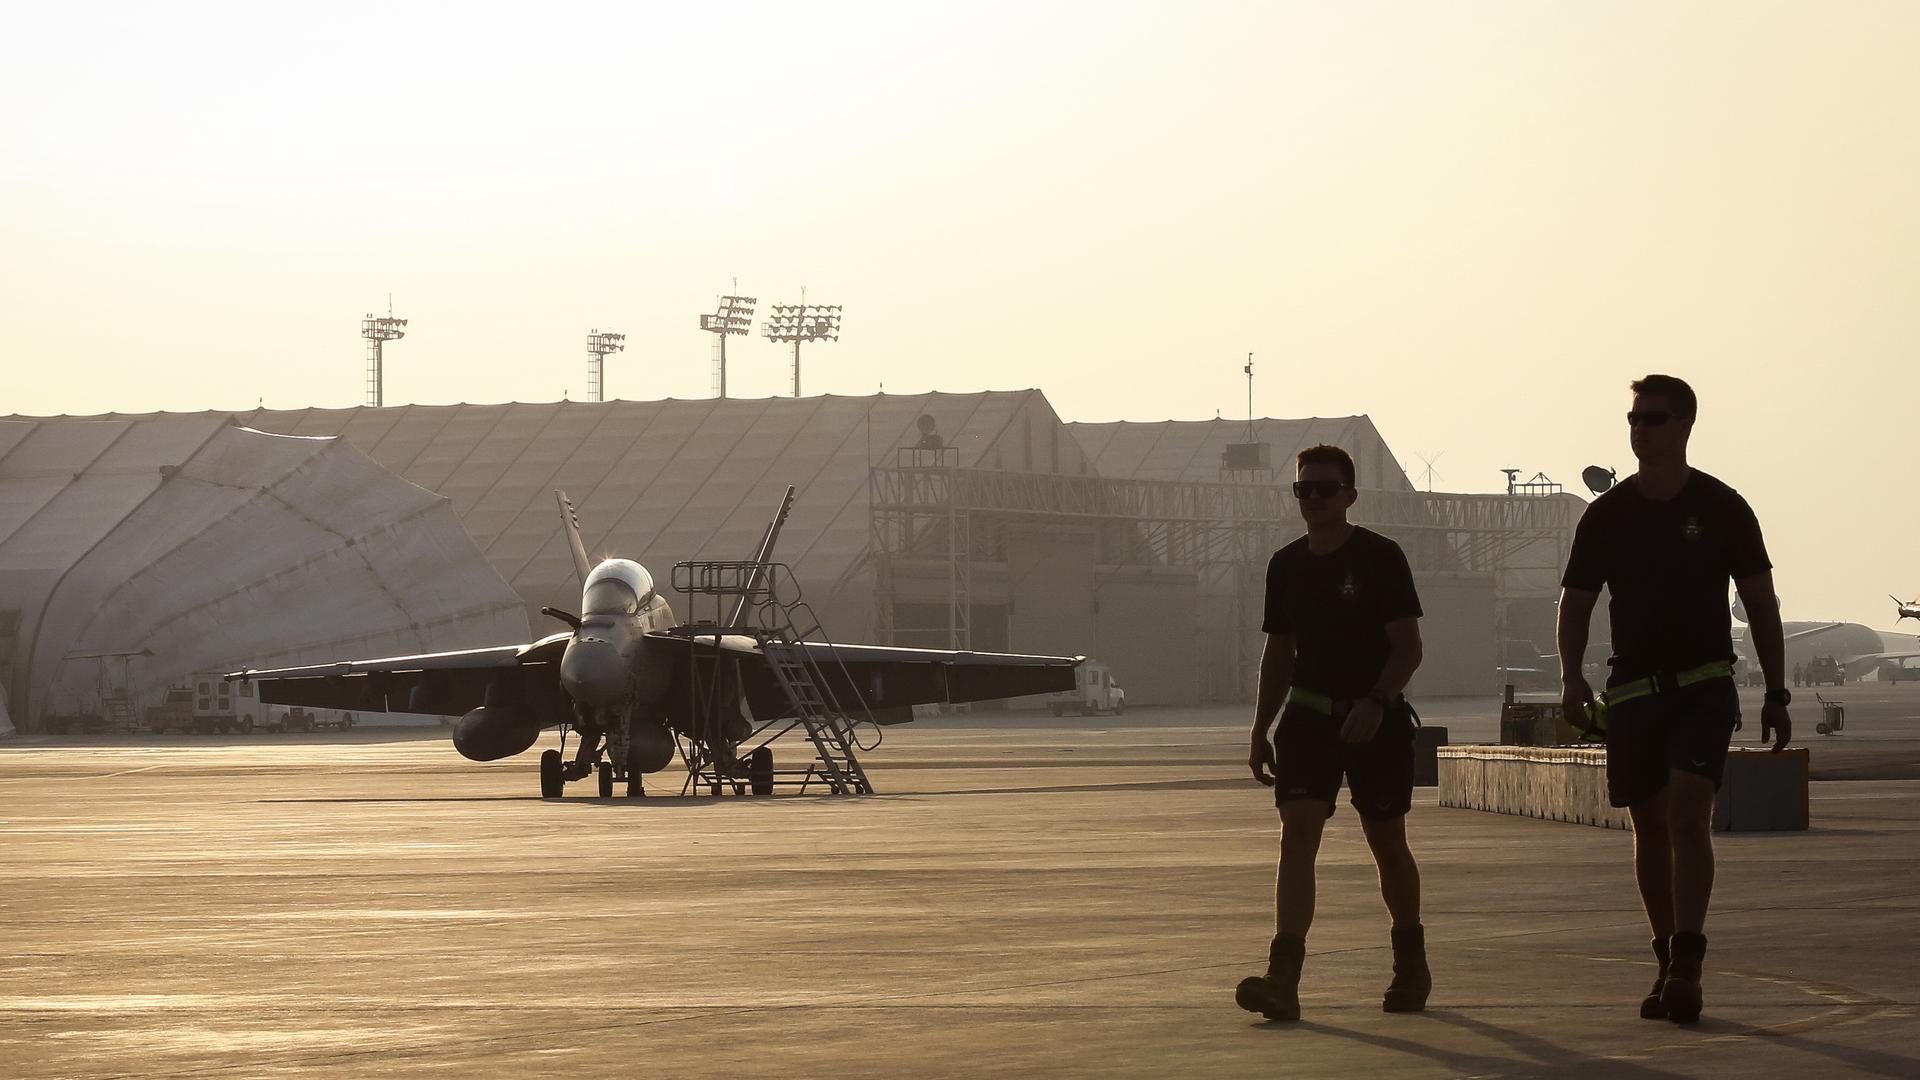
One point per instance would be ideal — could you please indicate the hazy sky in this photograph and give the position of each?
(1473, 221)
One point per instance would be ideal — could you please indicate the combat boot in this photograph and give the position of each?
(1275, 995)
(1680, 997)
(1650, 1006)
(1412, 982)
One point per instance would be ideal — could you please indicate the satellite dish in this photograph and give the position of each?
(1598, 479)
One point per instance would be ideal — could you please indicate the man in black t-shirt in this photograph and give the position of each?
(1343, 638)
(1664, 542)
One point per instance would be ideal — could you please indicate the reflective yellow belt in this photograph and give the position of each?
(1309, 699)
(1651, 685)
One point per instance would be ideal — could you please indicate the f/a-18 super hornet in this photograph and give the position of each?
(634, 684)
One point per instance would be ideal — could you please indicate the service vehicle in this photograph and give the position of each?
(295, 718)
(1094, 692)
(1824, 671)
(206, 705)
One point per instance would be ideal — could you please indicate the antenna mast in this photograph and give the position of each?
(1249, 370)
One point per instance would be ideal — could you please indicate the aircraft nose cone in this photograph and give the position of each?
(591, 672)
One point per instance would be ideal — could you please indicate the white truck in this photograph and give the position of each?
(208, 704)
(1094, 692)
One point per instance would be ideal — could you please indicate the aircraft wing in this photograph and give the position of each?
(447, 683)
(890, 680)
(1860, 665)
(1798, 635)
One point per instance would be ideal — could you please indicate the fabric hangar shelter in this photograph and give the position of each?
(137, 551)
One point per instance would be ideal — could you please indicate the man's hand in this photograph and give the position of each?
(1775, 723)
(1575, 695)
(1363, 721)
(1261, 759)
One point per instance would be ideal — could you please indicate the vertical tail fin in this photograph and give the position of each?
(571, 522)
(762, 556)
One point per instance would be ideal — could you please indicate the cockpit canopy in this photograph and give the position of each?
(616, 587)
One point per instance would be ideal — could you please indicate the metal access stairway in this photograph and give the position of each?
(782, 625)
(829, 728)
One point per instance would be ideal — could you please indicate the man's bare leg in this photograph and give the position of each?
(1690, 832)
(1399, 874)
(1276, 995)
(1690, 829)
(1653, 873)
(1653, 862)
(1302, 822)
(1400, 888)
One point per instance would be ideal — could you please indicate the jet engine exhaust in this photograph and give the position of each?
(492, 732)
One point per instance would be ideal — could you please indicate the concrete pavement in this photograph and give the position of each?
(1025, 897)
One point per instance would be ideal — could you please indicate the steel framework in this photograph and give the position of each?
(378, 331)
(598, 346)
(733, 317)
(927, 510)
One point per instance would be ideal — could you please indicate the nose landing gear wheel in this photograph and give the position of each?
(606, 780)
(760, 770)
(551, 782)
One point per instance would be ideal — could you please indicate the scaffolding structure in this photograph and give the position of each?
(928, 513)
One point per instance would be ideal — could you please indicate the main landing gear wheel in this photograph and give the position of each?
(606, 780)
(760, 771)
(552, 783)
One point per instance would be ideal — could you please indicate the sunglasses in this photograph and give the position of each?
(1651, 418)
(1325, 489)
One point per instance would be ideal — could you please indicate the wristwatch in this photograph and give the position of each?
(1782, 696)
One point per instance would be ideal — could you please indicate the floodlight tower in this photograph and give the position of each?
(598, 346)
(378, 330)
(802, 322)
(734, 316)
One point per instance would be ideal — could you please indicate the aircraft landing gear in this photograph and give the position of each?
(605, 752)
(760, 771)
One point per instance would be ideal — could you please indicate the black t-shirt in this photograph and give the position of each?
(1667, 565)
(1337, 607)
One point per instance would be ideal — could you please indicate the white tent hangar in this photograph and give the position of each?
(1136, 544)
(137, 551)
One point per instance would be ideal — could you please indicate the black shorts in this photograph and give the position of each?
(1688, 729)
(1310, 758)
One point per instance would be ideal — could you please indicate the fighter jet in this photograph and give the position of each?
(633, 683)
(1907, 609)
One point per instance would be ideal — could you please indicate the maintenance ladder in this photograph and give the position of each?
(785, 626)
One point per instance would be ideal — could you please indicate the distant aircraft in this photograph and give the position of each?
(631, 681)
(1857, 648)
(1907, 609)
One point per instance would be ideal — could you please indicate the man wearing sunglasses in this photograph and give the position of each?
(1343, 638)
(1664, 542)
